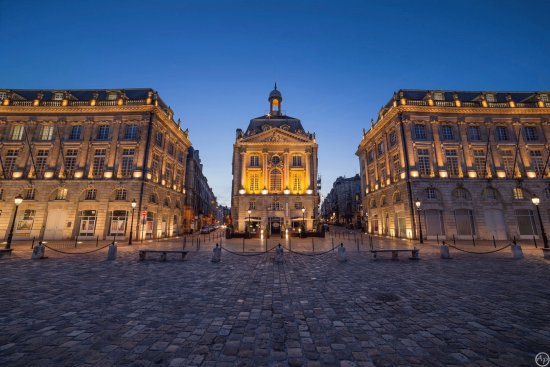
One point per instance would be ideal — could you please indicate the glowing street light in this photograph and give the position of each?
(18, 200)
(417, 203)
(536, 201)
(134, 204)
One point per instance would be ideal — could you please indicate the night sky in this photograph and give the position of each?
(335, 62)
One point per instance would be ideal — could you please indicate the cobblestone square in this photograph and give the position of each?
(82, 310)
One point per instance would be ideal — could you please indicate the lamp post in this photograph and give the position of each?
(417, 203)
(536, 201)
(18, 200)
(132, 222)
(249, 212)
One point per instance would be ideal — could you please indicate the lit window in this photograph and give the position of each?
(41, 162)
(297, 161)
(46, 133)
(439, 96)
(452, 162)
(25, 224)
(480, 163)
(424, 165)
(58, 96)
(17, 132)
(490, 97)
(275, 181)
(254, 183)
(98, 165)
(297, 183)
(61, 194)
(111, 96)
(537, 163)
(30, 194)
(127, 166)
(518, 193)
(3, 95)
(254, 161)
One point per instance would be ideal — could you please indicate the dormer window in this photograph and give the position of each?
(3, 95)
(543, 97)
(111, 96)
(58, 96)
(439, 96)
(490, 97)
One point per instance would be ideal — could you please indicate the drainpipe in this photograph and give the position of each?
(408, 174)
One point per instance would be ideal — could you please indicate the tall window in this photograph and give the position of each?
(103, 132)
(526, 222)
(530, 133)
(452, 162)
(447, 132)
(396, 166)
(276, 205)
(169, 173)
(131, 132)
(474, 133)
(275, 182)
(41, 162)
(480, 162)
(155, 167)
(179, 179)
(170, 149)
(118, 222)
(380, 148)
(297, 183)
(254, 182)
(17, 132)
(518, 193)
(382, 171)
(9, 162)
(46, 133)
(370, 156)
(508, 162)
(254, 161)
(180, 156)
(159, 139)
(76, 132)
(252, 205)
(121, 194)
(90, 194)
(424, 167)
(537, 163)
(98, 166)
(502, 133)
(127, 166)
(420, 132)
(465, 225)
(25, 224)
(70, 162)
(393, 138)
(297, 161)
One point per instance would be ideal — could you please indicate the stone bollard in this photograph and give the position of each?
(111, 254)
(216, 254)
(444, 250)
(279, 257)
(38, 251)
(342, 256)
(517, 253)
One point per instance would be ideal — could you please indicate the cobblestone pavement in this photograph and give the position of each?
(81, 310)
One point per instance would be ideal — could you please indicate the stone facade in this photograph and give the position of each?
(79, 158)
(200, 202)
(343, 203)
(274, 174)
(472, 160)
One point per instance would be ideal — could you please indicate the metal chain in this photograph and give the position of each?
(75, 253)
(486, 252)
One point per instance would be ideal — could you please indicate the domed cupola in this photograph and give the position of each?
(275, 99)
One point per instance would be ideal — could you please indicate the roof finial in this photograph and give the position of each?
(275, 85)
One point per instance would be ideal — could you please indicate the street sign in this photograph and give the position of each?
(144, 213)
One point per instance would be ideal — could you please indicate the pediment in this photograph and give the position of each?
(276, 135)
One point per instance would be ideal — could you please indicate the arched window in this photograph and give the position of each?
(397, 197)
(275, 182)
(490, 193)
(461, 194)
(121, 194)
(384, 201)
(61, 194)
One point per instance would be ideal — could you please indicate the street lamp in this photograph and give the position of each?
(249, 212)
(417, 203)
(304, 218)
(132, 222)
(18, 200)
(536, 201)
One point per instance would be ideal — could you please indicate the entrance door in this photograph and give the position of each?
(55, 223)
(494, 220)
(434, 224)
(275, 225)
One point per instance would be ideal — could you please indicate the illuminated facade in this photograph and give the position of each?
(79, 158)
(473, 160)
(274, 174)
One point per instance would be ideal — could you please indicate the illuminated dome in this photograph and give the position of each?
(275, 94)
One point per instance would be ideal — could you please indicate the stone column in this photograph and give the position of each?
(242, 157)
(264, 169)
(286, 168)
(467, 161)
(308, 168)
(439, 162)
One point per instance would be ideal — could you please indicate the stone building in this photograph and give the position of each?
(274, 173)
(343, 203)
(200, 202)
(80, 157)
(473, 160)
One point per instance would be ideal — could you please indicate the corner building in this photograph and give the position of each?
(474, 161)
(274, 174)
(80, 157)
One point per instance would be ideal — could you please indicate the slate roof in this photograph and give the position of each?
(256, 124)
(81, 94)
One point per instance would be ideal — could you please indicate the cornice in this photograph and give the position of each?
(37, 110)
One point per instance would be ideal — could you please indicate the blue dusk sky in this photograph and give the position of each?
(335, 62)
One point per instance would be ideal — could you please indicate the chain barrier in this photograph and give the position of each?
(242, 254)
(306, 254)
(75, 253)
(482, 253)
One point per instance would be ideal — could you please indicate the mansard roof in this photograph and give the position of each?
(81, 94)
(282, 121)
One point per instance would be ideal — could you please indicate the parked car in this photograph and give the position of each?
(206, 229)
